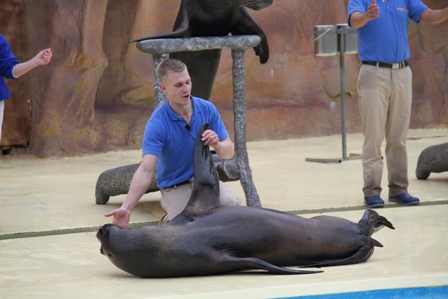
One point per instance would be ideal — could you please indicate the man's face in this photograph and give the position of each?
(177, 87)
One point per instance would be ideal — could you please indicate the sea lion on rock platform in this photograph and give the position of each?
(207, 238)
(200, 18)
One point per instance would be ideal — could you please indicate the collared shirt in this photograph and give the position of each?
(7, 63)
(167, 137)
(386, 39)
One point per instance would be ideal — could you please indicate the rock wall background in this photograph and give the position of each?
(97, 93)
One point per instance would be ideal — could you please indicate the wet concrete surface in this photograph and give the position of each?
(49, 217)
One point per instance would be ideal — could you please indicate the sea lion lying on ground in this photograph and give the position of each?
(207, 238)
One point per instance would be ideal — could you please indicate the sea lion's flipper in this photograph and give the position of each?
(372, 222)
(248, 263)
(248, 26)
(182, 23)
(180, 29)
(175, 34)
(361, 255)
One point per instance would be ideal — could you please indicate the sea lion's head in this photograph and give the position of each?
(126, 247)
(116, 241)
(103, 236)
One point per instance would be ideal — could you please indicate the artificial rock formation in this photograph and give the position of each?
(97, 93)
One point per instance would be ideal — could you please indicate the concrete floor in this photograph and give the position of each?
(49, 218)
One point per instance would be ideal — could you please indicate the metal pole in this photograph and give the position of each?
(325, 44)
(159, 95)
(341, 36)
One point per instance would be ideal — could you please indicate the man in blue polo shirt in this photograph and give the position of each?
(168, 143)
(11, 68)
(385, 89)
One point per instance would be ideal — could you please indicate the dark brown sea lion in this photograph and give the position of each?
(198, 18)
(207, 238)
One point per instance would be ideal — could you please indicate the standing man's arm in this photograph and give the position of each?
(358, 19)
(434, 16)
(42, 58)
(139, 184)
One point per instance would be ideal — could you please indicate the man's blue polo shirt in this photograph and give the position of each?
(167, 138)
(386, 39)
(7, 63)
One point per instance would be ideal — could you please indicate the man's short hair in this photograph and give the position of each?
(168, 66)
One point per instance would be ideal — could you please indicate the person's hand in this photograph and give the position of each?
(44, 57)
(121, 217)
(210, 138)
(373, 11)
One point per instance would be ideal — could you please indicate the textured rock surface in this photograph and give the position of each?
(97, 94)
(432, 159)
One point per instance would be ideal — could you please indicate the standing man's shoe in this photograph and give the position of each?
(405, 199)
(374, 201)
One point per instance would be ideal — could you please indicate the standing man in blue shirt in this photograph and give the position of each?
(168, 143)
(11, 68)
(385, 89)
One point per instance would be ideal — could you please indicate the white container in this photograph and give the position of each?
(325, 40)
(350, 38)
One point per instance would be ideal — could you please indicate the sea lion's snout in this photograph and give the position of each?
(103, 232)
(103, 235)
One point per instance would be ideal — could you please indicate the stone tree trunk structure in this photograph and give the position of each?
(238, 167)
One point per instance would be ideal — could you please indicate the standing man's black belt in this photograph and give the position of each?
(394, 66)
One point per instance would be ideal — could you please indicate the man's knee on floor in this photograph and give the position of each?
(227, 196)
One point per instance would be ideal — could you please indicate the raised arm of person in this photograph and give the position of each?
(139, 184)
(358, 19)
(42, 58)
(432, 16)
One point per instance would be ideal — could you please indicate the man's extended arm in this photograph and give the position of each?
(139, 185)
(42, 58)
(432, 16)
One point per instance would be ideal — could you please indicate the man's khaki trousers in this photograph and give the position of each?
(174, 200)
(385, 97)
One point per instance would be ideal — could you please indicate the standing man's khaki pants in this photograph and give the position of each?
(385, 97)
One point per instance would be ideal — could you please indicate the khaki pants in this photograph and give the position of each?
(385, 98)
(174, 200)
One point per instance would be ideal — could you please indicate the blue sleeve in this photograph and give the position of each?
(152, 142)
(416, 8)
(7, 60)
(216, 123)
(356, 5)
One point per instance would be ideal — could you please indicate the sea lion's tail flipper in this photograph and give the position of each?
(249, 26)
(361, 255)
(372, 222)
(249, 263)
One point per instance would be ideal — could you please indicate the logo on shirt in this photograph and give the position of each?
(402, 9)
